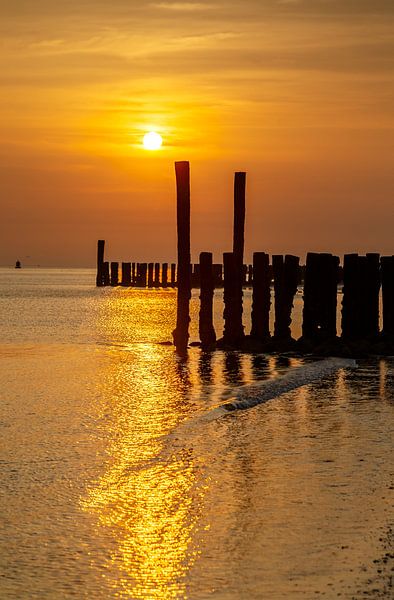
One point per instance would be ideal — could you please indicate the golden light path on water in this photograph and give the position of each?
(144, 500)
(183, 511)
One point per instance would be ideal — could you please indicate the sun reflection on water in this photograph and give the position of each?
(148, 496)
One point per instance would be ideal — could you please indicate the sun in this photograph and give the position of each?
(152, 141)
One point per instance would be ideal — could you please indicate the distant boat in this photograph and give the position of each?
(18, 264)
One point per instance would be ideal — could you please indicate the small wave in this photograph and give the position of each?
(257, 393)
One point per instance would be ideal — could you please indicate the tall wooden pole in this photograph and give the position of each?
(181, 331)
(239, 217)
(238, 247)
(100, 262)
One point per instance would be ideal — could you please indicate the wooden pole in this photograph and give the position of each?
(238, 249)
(261, 299)
(126, 273)
(233, 332)
(350, 301)
(100, 261)
(370, 297)
(133, 273)
(156, 281)
(114, 273)
(164, 275)
(239, 217)
(150, 275)
(106, 277)
(206, 328)
(173, 274)
(181, 331)
(143, 267)
(285, 272)
(387, 266)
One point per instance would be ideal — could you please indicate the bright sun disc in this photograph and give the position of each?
(152, 141)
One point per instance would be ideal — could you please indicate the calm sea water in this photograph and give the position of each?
(115, 485)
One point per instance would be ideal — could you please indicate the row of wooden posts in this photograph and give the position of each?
(133, 274)
(363, 277)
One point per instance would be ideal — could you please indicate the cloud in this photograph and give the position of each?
(183, 6)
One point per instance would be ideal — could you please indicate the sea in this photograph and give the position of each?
(123, 477)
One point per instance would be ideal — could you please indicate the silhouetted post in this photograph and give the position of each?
(310, 312)
(156, 281)
(387, 265)
(239, 217)
(100, 261)
(350, 301)
(261, 300)
(114, 273)
(173, 274)
(320, 297)
(181, 331)
(329, 276)
(285, 272)
(206, 328)
(164, 275)
(233, 332)
(370, 276)
(126, 273)
(143, 267)
(238, 244)
(106, 277)
(133, 273)
(150, 275)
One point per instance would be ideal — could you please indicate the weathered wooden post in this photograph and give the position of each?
(156, 281)
(100, 261)
(142, 271)
(173, 275)
(350, 301)
(164, 275)
(320, 297)
(370, 296)
(261, 299)
(239, 217)
(150, 275)
(285, 272)
(310, 312)
(181, 331)
(387, 266)
(233, 332)
(126, 273)
(114, 273)
(238, 248)
(330, 295)
(106, 277)
(206, 328)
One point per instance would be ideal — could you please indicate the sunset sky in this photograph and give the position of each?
(298, 93)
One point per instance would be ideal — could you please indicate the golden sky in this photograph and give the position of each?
(299, 93)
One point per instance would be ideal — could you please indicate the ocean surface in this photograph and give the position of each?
(121, 477)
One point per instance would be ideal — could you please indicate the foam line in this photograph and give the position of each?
(256, 393)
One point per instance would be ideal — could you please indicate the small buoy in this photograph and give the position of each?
(18, 264)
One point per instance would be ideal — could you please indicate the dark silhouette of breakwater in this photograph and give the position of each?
(368, 283)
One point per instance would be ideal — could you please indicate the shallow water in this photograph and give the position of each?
(115, 484)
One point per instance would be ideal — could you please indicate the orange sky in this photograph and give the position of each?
(299, 93)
